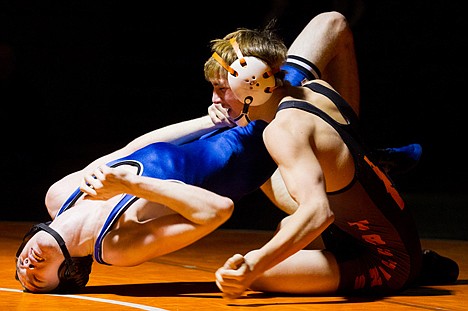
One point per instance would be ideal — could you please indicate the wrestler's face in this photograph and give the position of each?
(38, 263)
(223, 95)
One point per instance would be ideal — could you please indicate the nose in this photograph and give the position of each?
(26, 263)
(215, 98)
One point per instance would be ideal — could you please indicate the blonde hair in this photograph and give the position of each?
(264, 44)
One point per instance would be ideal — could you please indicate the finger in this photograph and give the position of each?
(92, 182)
(87, 189)
(230, 297)
(218, 115)
(229, 122)
(105, 169)
(233, 275)
(234, 262)
(230, 290)
(90, 185)
(98, 173)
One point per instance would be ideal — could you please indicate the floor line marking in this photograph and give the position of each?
(115, 302)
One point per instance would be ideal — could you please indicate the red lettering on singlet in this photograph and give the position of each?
(384, 251)
(359, 282)
(374, 239)
(375, 277)
(388, 184)
(361, 224)
(389, 264)
(376, 280)
(386, 275)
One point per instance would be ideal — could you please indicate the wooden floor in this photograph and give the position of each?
(184, 281)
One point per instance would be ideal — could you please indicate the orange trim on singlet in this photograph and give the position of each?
(388, 184)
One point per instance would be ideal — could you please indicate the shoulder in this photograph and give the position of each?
(320, 82)
(291, 127)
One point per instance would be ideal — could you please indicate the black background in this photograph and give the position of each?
(82, 78)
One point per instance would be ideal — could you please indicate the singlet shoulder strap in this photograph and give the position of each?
(124, 203)
(352, 125)
(77, 193)
(343, 106)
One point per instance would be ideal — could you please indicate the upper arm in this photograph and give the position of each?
(290, 143)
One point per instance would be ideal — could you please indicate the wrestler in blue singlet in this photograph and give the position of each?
(232, 163)
(373, 237)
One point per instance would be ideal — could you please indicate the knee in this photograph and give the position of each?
(52, 201)
(336, 22)
(333, 17)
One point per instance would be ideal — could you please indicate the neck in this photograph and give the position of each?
(267, 111)
(77, 229)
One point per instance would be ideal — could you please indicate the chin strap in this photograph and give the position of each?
(57, 237)
(245, 110)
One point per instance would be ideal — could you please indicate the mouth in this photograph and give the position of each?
(35, 255)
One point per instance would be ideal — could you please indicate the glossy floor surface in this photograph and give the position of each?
(184, 281)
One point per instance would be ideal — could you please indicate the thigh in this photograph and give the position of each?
(327, 42)
(366, 268)
(148, 230)
(305, 272)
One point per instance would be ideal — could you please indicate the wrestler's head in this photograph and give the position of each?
(42, 267)
(245, 69)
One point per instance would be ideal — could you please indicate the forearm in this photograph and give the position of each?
(177, 133)
(294, 233)
(194, 203)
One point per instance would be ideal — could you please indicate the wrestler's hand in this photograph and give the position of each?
(234, 277)
(105, 182)
(219, 116)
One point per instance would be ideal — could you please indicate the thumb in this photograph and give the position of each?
(234, 262)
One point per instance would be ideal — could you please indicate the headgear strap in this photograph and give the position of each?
(236, 48)
(221, 61)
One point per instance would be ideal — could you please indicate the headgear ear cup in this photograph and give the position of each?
(254, 81)
(250, 78)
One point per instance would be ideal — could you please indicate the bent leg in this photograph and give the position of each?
(327, 42)
(134, 242)
(306, 272)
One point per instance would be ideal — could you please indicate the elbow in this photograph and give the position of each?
(224, 209)
(219, 211)
(322, 219)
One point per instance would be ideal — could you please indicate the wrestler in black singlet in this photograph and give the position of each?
(373, 237)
